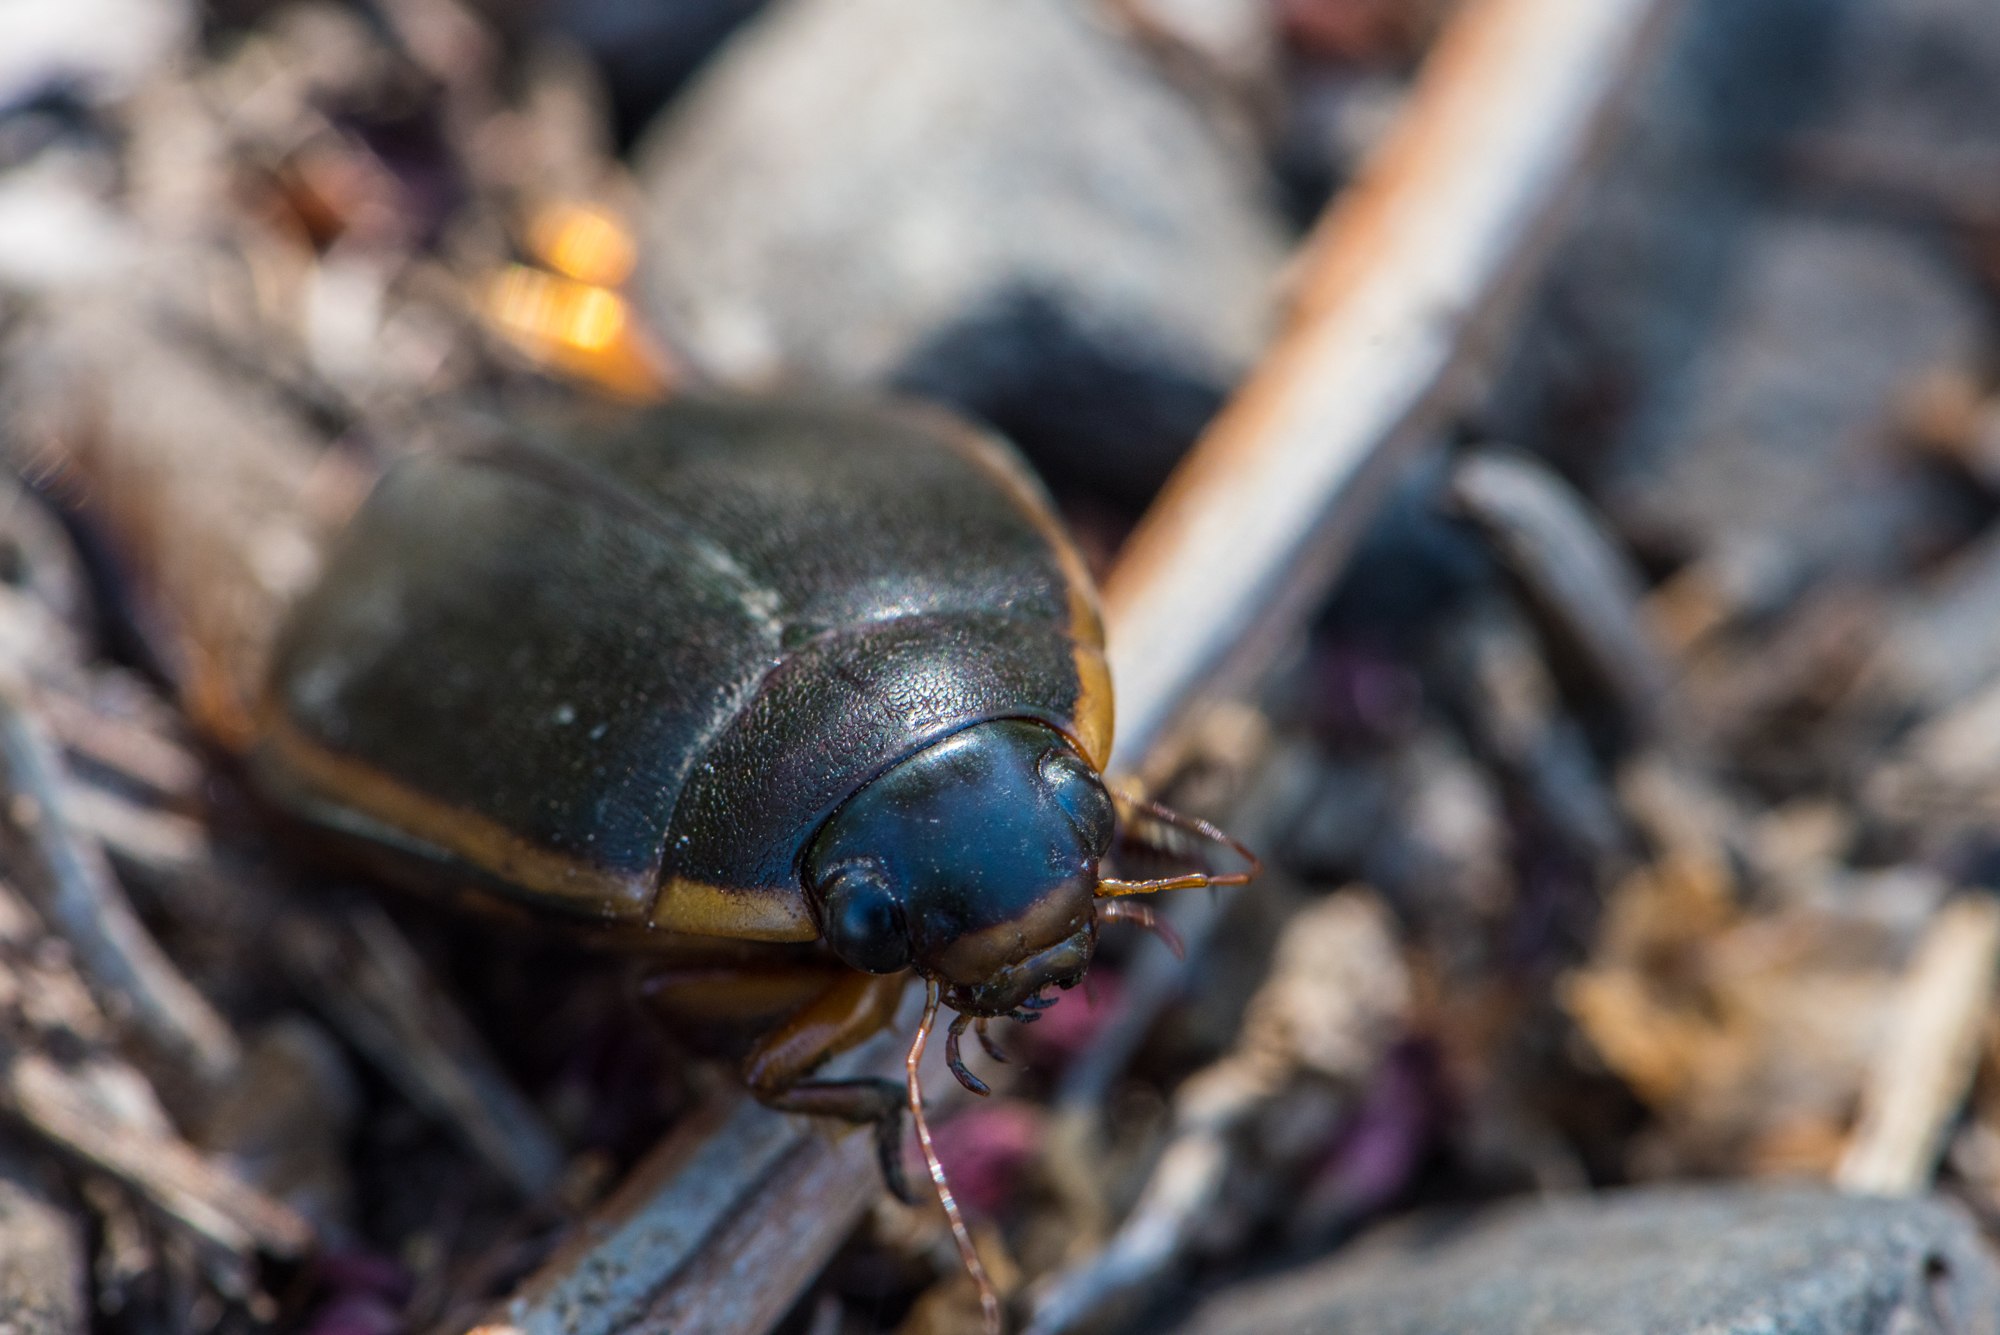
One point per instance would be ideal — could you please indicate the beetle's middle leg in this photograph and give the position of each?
(812, 1016)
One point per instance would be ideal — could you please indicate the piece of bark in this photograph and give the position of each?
(735, 1265)
(127, 747)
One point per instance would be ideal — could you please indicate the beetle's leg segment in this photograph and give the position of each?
(732, 993)
(875, 1101)
(1119, 910)
(986, 1041)
(852, 1008)
(1110, 887)
(795, 1015)
(956, 1063)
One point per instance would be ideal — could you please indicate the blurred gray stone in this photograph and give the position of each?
(1776, 446)
(1721, 1261)
(99, 49)
(999, 205)
(1725, 347)
(1914, 94)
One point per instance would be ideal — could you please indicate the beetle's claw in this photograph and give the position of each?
(986, 1041)
(889, 1151)
(956, 1063)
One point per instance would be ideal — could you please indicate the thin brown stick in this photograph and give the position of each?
(209, 1203)
(736, 1190)
(1402, 291)
(74, 888)
(989, 1300)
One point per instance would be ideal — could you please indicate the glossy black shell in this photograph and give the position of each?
(626, 670)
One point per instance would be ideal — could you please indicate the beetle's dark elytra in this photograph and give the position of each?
(629, 670)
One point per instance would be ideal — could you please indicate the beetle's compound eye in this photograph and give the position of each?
(1080, 793)
(864, 919)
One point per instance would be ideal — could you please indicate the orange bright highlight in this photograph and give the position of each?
(579, 329)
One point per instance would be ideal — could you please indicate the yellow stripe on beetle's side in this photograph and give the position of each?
(1094, 714)
(751, 914)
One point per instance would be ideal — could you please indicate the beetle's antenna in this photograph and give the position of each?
(1110, 887)
(989, 1301)
(1119, 910)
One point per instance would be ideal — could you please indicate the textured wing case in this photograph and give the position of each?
(628, 673)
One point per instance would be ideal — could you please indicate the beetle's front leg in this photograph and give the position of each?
(855, 1007)
(817, 1015)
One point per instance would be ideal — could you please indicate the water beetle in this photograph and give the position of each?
(800, 696)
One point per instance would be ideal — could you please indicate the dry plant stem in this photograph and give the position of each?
(1156, 975)
(1183, 1184)
(371, 983)
(1336, 993)
(1928, 1054)
(215, 1207)
(82, 901)
(1404, 287)
(1157, 972)
(101, 1111)
(159, 842)
(1576, 575)
(666, 1211)
(719, 1230)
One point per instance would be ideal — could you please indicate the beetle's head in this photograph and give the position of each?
(973, 862)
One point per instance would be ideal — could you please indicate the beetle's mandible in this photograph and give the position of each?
(821, 674)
